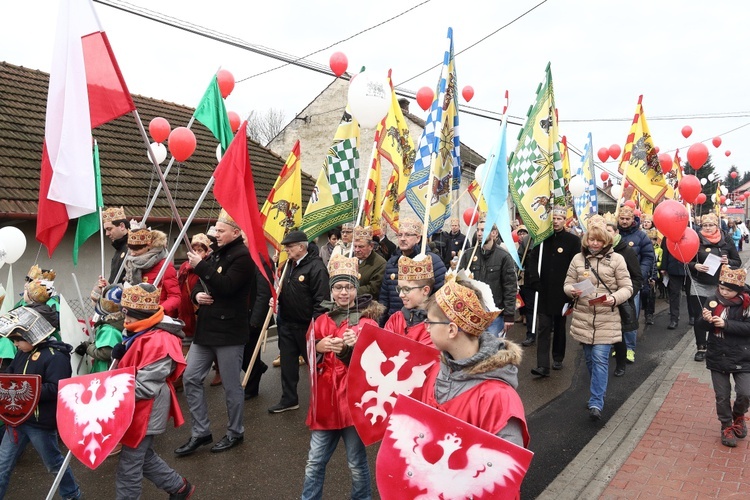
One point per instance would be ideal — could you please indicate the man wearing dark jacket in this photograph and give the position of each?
(115, 226)
(371, 265)
(495, 267)
(409, 244)
(303, 291)
(221, 333)
(556, 253)
(678, 281)
(258, 307)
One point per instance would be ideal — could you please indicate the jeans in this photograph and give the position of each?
(637, 299)
(629, 339)
(45, 443)
(497, 327)
(322, 446)
(597, 363)
(723, 389)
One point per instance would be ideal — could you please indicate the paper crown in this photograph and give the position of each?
(26, 323)
(653, 234)
(341, 267)
(560, 210)
(40, 290)
(626, 211)
(226, 219)
(610, 218)
(112, 214)
(139, 236)
(411, 226)
(200, 239)
(454, 219)
(647, 217)
(597, 221)
(37, 273)
(363, 233)
(417, 269)
(462, 307)
(141, 297)
(733, 278)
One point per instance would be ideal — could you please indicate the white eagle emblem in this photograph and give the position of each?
(13, 394)
(90, 409)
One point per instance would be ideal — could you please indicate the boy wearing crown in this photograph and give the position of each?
(38, 354)
(416, 279)
(726, 317)
(107, 329)
(328, 416)
(153, 345)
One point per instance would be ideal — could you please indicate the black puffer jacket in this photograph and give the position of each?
(496, 268)
(303, 292)
(634, 268)
(729, 348)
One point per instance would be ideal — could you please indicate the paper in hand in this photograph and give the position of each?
(713, 262)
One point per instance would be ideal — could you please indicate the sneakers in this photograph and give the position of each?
(630, 356)
(649, 319)
(282, 407)
(672, 325)
(530, 339)
(619, 371)
(728, 438)
(739, 427)
(183, 493)
(595, 414)
(701, 354)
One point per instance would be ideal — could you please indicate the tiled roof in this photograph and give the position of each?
(127, 175)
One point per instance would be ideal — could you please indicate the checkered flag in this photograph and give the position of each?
(343, 171)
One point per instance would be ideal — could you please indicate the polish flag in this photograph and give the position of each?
(86, 89)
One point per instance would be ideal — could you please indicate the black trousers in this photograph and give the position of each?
(292, 345)
(676, 286)
(550, 330)
(259, 367)
(701, 327)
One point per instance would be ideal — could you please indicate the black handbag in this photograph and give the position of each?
(627, 311)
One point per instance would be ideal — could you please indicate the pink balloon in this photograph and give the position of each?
(656, 150)
(338, 63)
(716, 141)
(614, 151)
(468, 93)
(697, 155)
(727, 153)
(630, 203)
(686, 131)
(159, 129)
(225, 80)
(182, 143)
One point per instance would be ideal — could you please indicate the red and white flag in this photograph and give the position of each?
(86, 89)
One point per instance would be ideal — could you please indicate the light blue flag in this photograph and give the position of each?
(495, 192)
(586, 205)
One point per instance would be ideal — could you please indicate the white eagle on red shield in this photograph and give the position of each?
(384, 365)
(427, 454)
(94, 411)
(19, 397)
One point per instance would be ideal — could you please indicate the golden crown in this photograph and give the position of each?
(610, 218)
(143, 297)
(37, 273)
(462, 307)
(560, 210)
(40, 290)
(139, 236)
(226, 219)
(200, 239)
(112, 214)
(627, 211)
(340, 265)
(409, 225)
(363, 233)
(735, 277)
(417, 269)
(597, 220)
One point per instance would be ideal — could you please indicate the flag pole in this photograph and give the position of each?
(58, 477)
(101, 241)
(536, 294)
(427, 204)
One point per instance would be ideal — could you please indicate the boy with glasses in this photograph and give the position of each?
(415, 281)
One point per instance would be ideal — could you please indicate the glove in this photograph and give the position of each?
(81, 349)
(118, 351)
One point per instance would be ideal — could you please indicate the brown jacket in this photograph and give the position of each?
(598, 324)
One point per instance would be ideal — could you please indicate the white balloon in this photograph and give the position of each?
(577, 186)
(160, 151)
(218, 152)
(479, 173)
(616, 191)
(369, 98)
(723, 190)
(724, 209)
(3, 253)
(14, 242)
(713, 198)
(704, 181)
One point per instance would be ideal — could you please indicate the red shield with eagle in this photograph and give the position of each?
(19, 396)
(94, 411)
(384, 365)
(428, 454)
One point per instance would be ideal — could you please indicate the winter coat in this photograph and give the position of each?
(187, 279)
(121, 251)
(639, 241)
(442, 244)
(388, 294)
(725, 246)
(634, 270)
(728, 348)
(598, 324)
(669, 262)
(51, 360)
(558, 251)
(303, 292)
(226, 274)
(371, 272)
(496, 268)
(170, 288)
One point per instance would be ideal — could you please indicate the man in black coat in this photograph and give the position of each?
(304, 289)
(557, 251)
(258, 307)
(115, 226)
(221, 333)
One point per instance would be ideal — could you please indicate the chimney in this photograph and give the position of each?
(404, 103)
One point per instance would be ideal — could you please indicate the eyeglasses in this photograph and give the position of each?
(429, 323)
(406, 289)
(708, 225)
(406, 235)
(346, 231)
(339, 288)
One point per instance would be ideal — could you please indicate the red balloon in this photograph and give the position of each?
(468, 93)
(468, 219)
(727, 153)
(159, 129)
(716, 141)
(234, 120)
(733, 175)
(425, 96)
(614, 151)
(666, 162)
(625, 184)
(684, 248)
(690, 188)
(697, 155)
(722, 199)
(671, 218)
(182, 143)
(338, 63)
(630, 203)
(514, 234)
(656, 150)
(637, 212)
(226, 82)
(700, 199)
(604, 176)
(603, 154)
(686, 131)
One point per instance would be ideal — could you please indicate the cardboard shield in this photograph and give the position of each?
(94, 411)
(384, 365)
(19, 395)
(426, 453)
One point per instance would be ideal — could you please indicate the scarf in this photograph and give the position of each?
(617, 240)
(135, 265)
(413, 316)
(714, 238)
(742, 300)
(138, 328)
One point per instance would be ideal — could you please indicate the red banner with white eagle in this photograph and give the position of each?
(19, 396)
(427, 453)
(384, 365)
(94, 411)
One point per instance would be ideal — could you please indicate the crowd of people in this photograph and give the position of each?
(458, 297)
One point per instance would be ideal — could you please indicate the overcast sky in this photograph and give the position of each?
(686, 57)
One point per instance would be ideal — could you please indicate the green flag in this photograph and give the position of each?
(89, 224)
(212, 113)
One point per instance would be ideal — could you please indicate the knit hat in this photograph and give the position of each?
(341, 268)
(140, 301)
(363, 234)
(26, 323)
(112, 214)
(462, 306)
(732, 278)
(110, 300)
(417, 269)
(226, 219)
